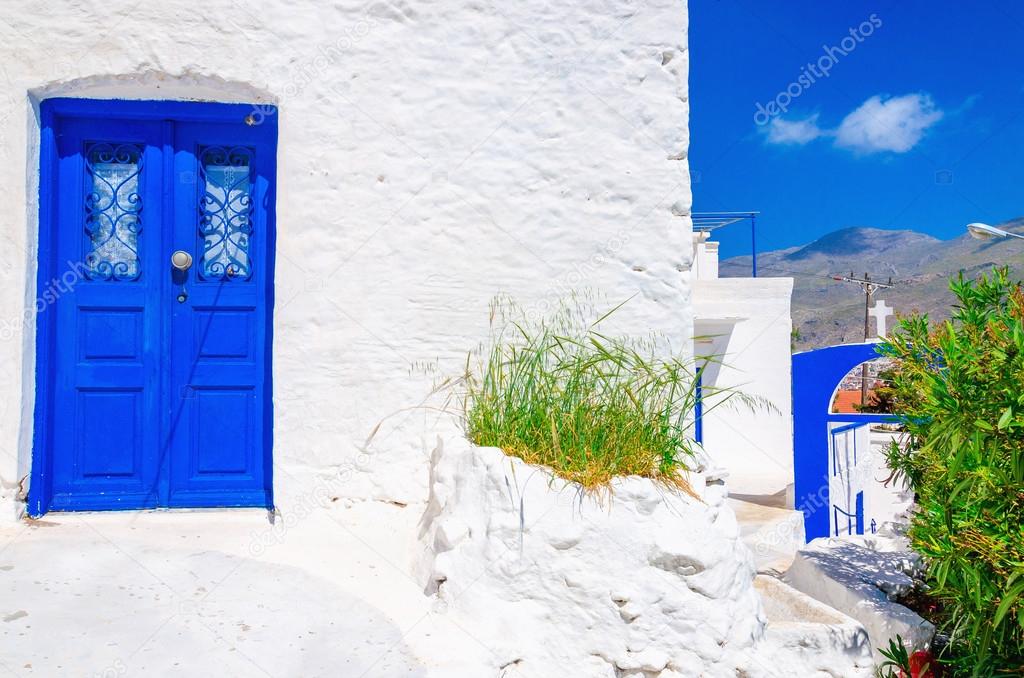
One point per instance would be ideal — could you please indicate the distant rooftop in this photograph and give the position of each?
(705, 222)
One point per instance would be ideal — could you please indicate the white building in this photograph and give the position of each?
(428, 157)
(743, 326)
(245, 243)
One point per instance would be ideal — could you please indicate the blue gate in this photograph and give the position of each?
(816, 375)
(153, 381)
(847, 465)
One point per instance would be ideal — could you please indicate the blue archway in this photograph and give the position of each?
(815, 377)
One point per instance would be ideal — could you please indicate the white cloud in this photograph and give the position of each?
(893, 124)
(797, 132)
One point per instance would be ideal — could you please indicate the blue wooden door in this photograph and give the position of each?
(107, 352)
(154, 380)
(219, 353)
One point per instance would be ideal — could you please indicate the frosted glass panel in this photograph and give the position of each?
(113, 210)
(225, 211)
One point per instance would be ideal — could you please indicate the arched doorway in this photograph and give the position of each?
(829, 461)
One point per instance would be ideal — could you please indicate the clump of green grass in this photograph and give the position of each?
(589, 406)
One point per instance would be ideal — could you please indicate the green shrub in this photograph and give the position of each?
(883, 397)
(589, 406)
(960, 391)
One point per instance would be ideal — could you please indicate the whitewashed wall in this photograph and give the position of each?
(432, 155)
(744, 323)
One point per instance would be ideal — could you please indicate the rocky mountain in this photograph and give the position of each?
(826, 311)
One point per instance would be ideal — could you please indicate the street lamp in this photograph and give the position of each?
(986, 232)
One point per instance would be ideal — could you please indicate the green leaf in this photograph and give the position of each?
(963, 484)
(1008, 600)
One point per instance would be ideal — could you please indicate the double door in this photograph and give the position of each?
(158, 346)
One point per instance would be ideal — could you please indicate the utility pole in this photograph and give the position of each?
(869, 286)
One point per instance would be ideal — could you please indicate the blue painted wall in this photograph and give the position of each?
(815, 377)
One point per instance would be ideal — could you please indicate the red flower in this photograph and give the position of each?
(922, 665)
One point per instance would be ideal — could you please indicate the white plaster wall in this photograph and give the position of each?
(705, 256)
(645, 581)
(890, 503)
(432, 155)
(745, 323)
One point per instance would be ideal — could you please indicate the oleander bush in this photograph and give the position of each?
(561, 393)
(960, 391)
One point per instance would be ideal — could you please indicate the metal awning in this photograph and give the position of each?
(709, 221)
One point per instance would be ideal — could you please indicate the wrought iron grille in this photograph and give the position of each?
(113, 210)
(225, 211)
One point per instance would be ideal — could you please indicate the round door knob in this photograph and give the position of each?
(181, 260)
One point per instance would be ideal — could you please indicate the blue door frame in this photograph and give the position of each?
(153, 385)
(816, 374)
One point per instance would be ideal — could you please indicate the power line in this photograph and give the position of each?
(869, 287)
(793, 272)
(866, 283)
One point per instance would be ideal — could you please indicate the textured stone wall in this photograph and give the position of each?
(644, 582)
(640, 582)
(432, 155)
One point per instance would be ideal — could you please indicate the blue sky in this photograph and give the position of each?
(918, 124)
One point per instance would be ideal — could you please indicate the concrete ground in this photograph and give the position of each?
(224, 593)
(324, 590)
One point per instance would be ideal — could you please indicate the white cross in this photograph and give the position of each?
(880, 312)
